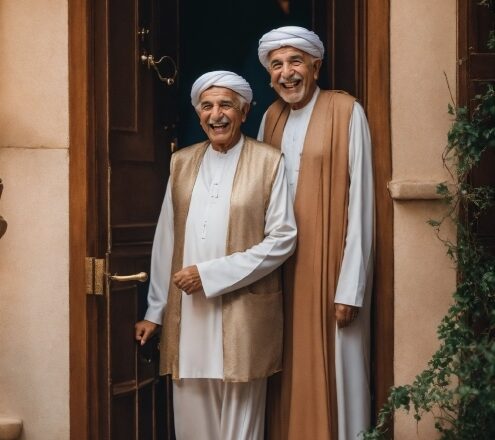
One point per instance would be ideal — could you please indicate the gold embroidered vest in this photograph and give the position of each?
(252, 316)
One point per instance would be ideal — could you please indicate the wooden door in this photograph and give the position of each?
(476, 70)
(136, 115)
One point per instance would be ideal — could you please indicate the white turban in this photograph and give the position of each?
(221, 78)
(295, 36)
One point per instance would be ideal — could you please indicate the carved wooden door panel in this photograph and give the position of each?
(135, 129)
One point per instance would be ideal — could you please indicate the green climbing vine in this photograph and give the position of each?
(458, 385)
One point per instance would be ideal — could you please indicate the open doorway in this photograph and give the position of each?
(225, 37)
(124, 123)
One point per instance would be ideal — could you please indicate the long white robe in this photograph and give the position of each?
(211, 409)
(355, 279)
(200, 347)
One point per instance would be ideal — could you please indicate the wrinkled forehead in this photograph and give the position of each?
(286, 52)
(216, 93)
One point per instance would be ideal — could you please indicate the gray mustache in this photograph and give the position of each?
(295, 77)
(223, 120)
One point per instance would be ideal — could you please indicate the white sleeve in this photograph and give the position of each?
(358, 251)
(161, 261)
(225, 274)
(261, 131)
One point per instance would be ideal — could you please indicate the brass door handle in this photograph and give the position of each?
(141, 277)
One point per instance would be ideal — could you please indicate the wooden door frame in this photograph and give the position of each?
(377, 93)
(87, 106)
(79, 147)
(83, 200)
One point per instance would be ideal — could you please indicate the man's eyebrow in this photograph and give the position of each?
(230, 102)
(295, 57)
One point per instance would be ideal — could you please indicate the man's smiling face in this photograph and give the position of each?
(221, 114)
(293, 75)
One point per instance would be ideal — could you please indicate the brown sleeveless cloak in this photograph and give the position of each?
(302, 399)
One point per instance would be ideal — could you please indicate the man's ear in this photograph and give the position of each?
(245, 111)
(317, 67)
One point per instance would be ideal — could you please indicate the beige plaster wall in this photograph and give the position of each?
(33, 73)
(34, 325)
(423, 47)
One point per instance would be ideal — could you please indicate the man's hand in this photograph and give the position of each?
(345, 314)
(188, 280)
(144, 330)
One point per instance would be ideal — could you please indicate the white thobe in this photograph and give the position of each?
(355, 279)
(200, 348)
(205, 406)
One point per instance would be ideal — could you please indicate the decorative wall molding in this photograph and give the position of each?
(415, 189)
(10, 428)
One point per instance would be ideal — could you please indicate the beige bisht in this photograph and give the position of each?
(302, 400)
(251, 316)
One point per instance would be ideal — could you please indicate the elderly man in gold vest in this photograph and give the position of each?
(323, 391)
(225, 227)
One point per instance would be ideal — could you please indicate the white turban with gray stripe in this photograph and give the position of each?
(295, 36)
(221, 78)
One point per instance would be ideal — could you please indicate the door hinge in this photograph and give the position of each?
(95, 276)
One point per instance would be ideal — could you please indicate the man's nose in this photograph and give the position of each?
(216, 112)
(287, 70)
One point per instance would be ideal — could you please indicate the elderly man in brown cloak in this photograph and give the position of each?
(323, 390)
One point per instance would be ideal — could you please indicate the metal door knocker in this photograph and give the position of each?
(152, 63)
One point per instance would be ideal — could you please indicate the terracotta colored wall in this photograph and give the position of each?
(423, 47)
(34, 338)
